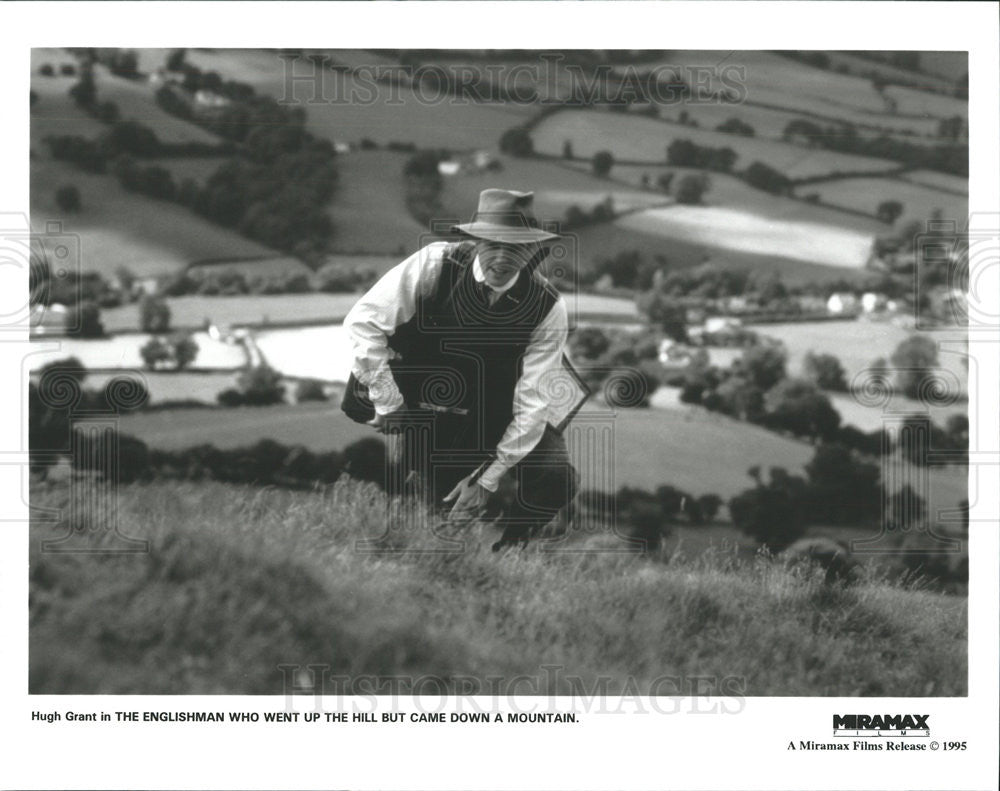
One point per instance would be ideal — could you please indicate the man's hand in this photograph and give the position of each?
(381, 423)
(393, 439)
(470, 499)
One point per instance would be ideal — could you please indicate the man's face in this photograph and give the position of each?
(500, 261)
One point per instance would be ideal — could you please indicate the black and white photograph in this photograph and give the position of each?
(456, 369)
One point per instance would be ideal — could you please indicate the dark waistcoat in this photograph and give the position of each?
(462, 356)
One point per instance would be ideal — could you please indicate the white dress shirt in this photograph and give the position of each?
(392, 301)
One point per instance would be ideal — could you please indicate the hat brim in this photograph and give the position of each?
(504, 233)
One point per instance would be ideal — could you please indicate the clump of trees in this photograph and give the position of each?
(686, 153)
(423, 185)
(517, 142)
(735, 126)
(602, 211)
(601, 163)
(154, 314)
(68, 198)
(692, 188)
(176, 352)
(256, 386)
(825, 371)
(948, 157)
(622, 366)
(766, 178)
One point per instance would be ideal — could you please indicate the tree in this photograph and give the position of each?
(683, 153)
(155, 353)
(889, 211)
(154, 314)
(602, 163)
(518, 142)
(764, 365)
(796, 405)
(631, 387)
(843, 488)
(708, 506)
(825, 371)
(664, 312)
(310, 390)
(774, 513)
(735, 126)
(691, 188)
(86, 317)
(766, 178)
(84, 91)
(175, 60)
(736, 396)
(905, 509)
(589, 343)
(133, 138)
(914, 360)
(185, 350)
(261, 385)
(68, 198)
(640, 510)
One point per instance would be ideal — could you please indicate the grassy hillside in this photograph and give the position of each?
(239, 581)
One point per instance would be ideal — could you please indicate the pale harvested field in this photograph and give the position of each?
(744, 231)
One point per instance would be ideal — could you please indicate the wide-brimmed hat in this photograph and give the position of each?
(506, 216)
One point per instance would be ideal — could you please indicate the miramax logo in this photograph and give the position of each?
(881, 725)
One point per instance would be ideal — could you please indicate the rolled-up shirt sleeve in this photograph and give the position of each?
(392, 301)
(531, 413)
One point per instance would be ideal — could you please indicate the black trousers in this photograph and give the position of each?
(433, 452)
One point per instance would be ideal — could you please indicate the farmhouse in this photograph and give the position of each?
(471, 162)
(842, 304)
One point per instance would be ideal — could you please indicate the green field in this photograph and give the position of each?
(369, 209)
(864, 66)
(635, 137)
(942, 181)
(117, 228)
(697, 451)
(349, 110)
(557, 186)
(135, 100)
(857, 344)
(239, 580)
(865, 194)
(776, 81)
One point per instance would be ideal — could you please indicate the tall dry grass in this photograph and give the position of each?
(239, 581)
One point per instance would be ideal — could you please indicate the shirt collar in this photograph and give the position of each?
(477, 274)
